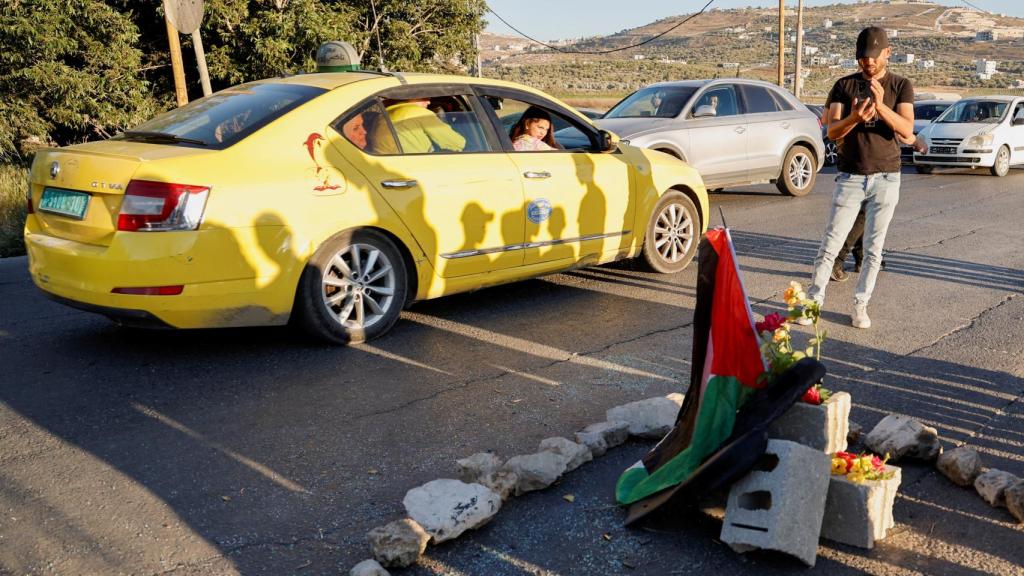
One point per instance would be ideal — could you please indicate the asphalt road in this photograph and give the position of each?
(257, 452)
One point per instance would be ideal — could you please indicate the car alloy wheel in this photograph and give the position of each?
(1001, 167)
(831, 153)
(353, 289)
(672, 233)
(800, 170)
(358, 286)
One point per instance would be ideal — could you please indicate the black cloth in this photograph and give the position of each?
(870, 147)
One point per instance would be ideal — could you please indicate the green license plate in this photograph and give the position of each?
(64, 202)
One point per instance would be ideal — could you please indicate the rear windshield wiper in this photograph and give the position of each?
(161, 137)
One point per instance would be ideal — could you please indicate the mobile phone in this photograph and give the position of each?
(864, 95)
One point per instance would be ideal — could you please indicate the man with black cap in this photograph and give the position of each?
(869, 111)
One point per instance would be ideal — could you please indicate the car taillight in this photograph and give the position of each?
(160, 206)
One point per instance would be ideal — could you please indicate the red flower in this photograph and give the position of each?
(812, 396)
(771, 323)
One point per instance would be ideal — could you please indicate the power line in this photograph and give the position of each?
(556, 49)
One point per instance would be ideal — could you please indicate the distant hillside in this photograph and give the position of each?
(935, 45)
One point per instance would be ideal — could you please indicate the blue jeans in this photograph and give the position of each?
(879, 194)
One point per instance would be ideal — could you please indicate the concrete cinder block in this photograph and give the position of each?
(779, 505)
(860, 513)
(823, 427)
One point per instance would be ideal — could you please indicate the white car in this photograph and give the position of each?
(983, 132)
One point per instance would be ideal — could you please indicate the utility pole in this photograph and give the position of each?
(476, 45)
(177, 66)
(782, 43)
(797, 77)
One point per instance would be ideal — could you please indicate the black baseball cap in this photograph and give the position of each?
(871, 41)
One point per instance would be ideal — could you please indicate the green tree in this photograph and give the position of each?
(69, 71)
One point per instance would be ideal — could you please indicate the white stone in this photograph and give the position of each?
(535, 471)
(650, 418)
(475, 467)
(603, 435)
(992, 485)
(961, 465)
(1015, 500)
(399, 543)
(779, 505)
(822, 427)
(446, 508)
(575, 454)
(368, 568)
(900, 436)
(502, 482)
(859, 513)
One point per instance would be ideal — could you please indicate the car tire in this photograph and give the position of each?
(831, 153)
(798, 172)
(672, 234)
(923, 169)
(353, 289)
(1001, 167)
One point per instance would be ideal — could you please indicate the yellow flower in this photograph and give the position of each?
(794, 294)
(838, 466)
(856, 477)
(780, 335)
(865, 464)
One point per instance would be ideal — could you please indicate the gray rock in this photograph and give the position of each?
(902, 436)
(400, 543)
(502, 482)
(650, 418)
(602, 436)
(535, 471)
(961, 465)
(477, 466)
(1015, 500)
(854, 433)
(368, 568)
(575, 454)
(446, 508)
(992, 485)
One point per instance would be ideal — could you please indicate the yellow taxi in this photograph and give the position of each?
(334, 200)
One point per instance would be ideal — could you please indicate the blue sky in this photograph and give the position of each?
(554, 19)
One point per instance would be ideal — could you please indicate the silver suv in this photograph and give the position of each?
(732, 131)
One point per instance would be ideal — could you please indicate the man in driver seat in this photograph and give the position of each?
(419, 130)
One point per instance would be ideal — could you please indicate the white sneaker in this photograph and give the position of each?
(860, 316)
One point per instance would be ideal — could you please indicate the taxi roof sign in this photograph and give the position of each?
(336, 56)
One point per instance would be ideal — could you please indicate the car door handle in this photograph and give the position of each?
(785, 125)
(740, 129)
(537, 175)
(398, 184)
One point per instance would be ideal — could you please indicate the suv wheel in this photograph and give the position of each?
(798, 172)
(353, 288)
(673, 233)
(1001, 167)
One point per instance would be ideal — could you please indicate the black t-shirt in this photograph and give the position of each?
(871, 147)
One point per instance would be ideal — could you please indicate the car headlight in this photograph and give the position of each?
(979, 141)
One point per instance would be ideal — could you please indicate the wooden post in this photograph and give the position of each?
(204, 74)
(176, 64)
(782, 43)
(799, 48)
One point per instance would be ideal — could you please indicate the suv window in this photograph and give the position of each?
(437, 125)
(653, 101)
(721, 98)
(221, 119)
(758, 99)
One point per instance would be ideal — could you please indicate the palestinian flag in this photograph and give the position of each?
(726, 365)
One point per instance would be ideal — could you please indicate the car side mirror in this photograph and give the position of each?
(705, 111)
(607, 141)
(1018, 121)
